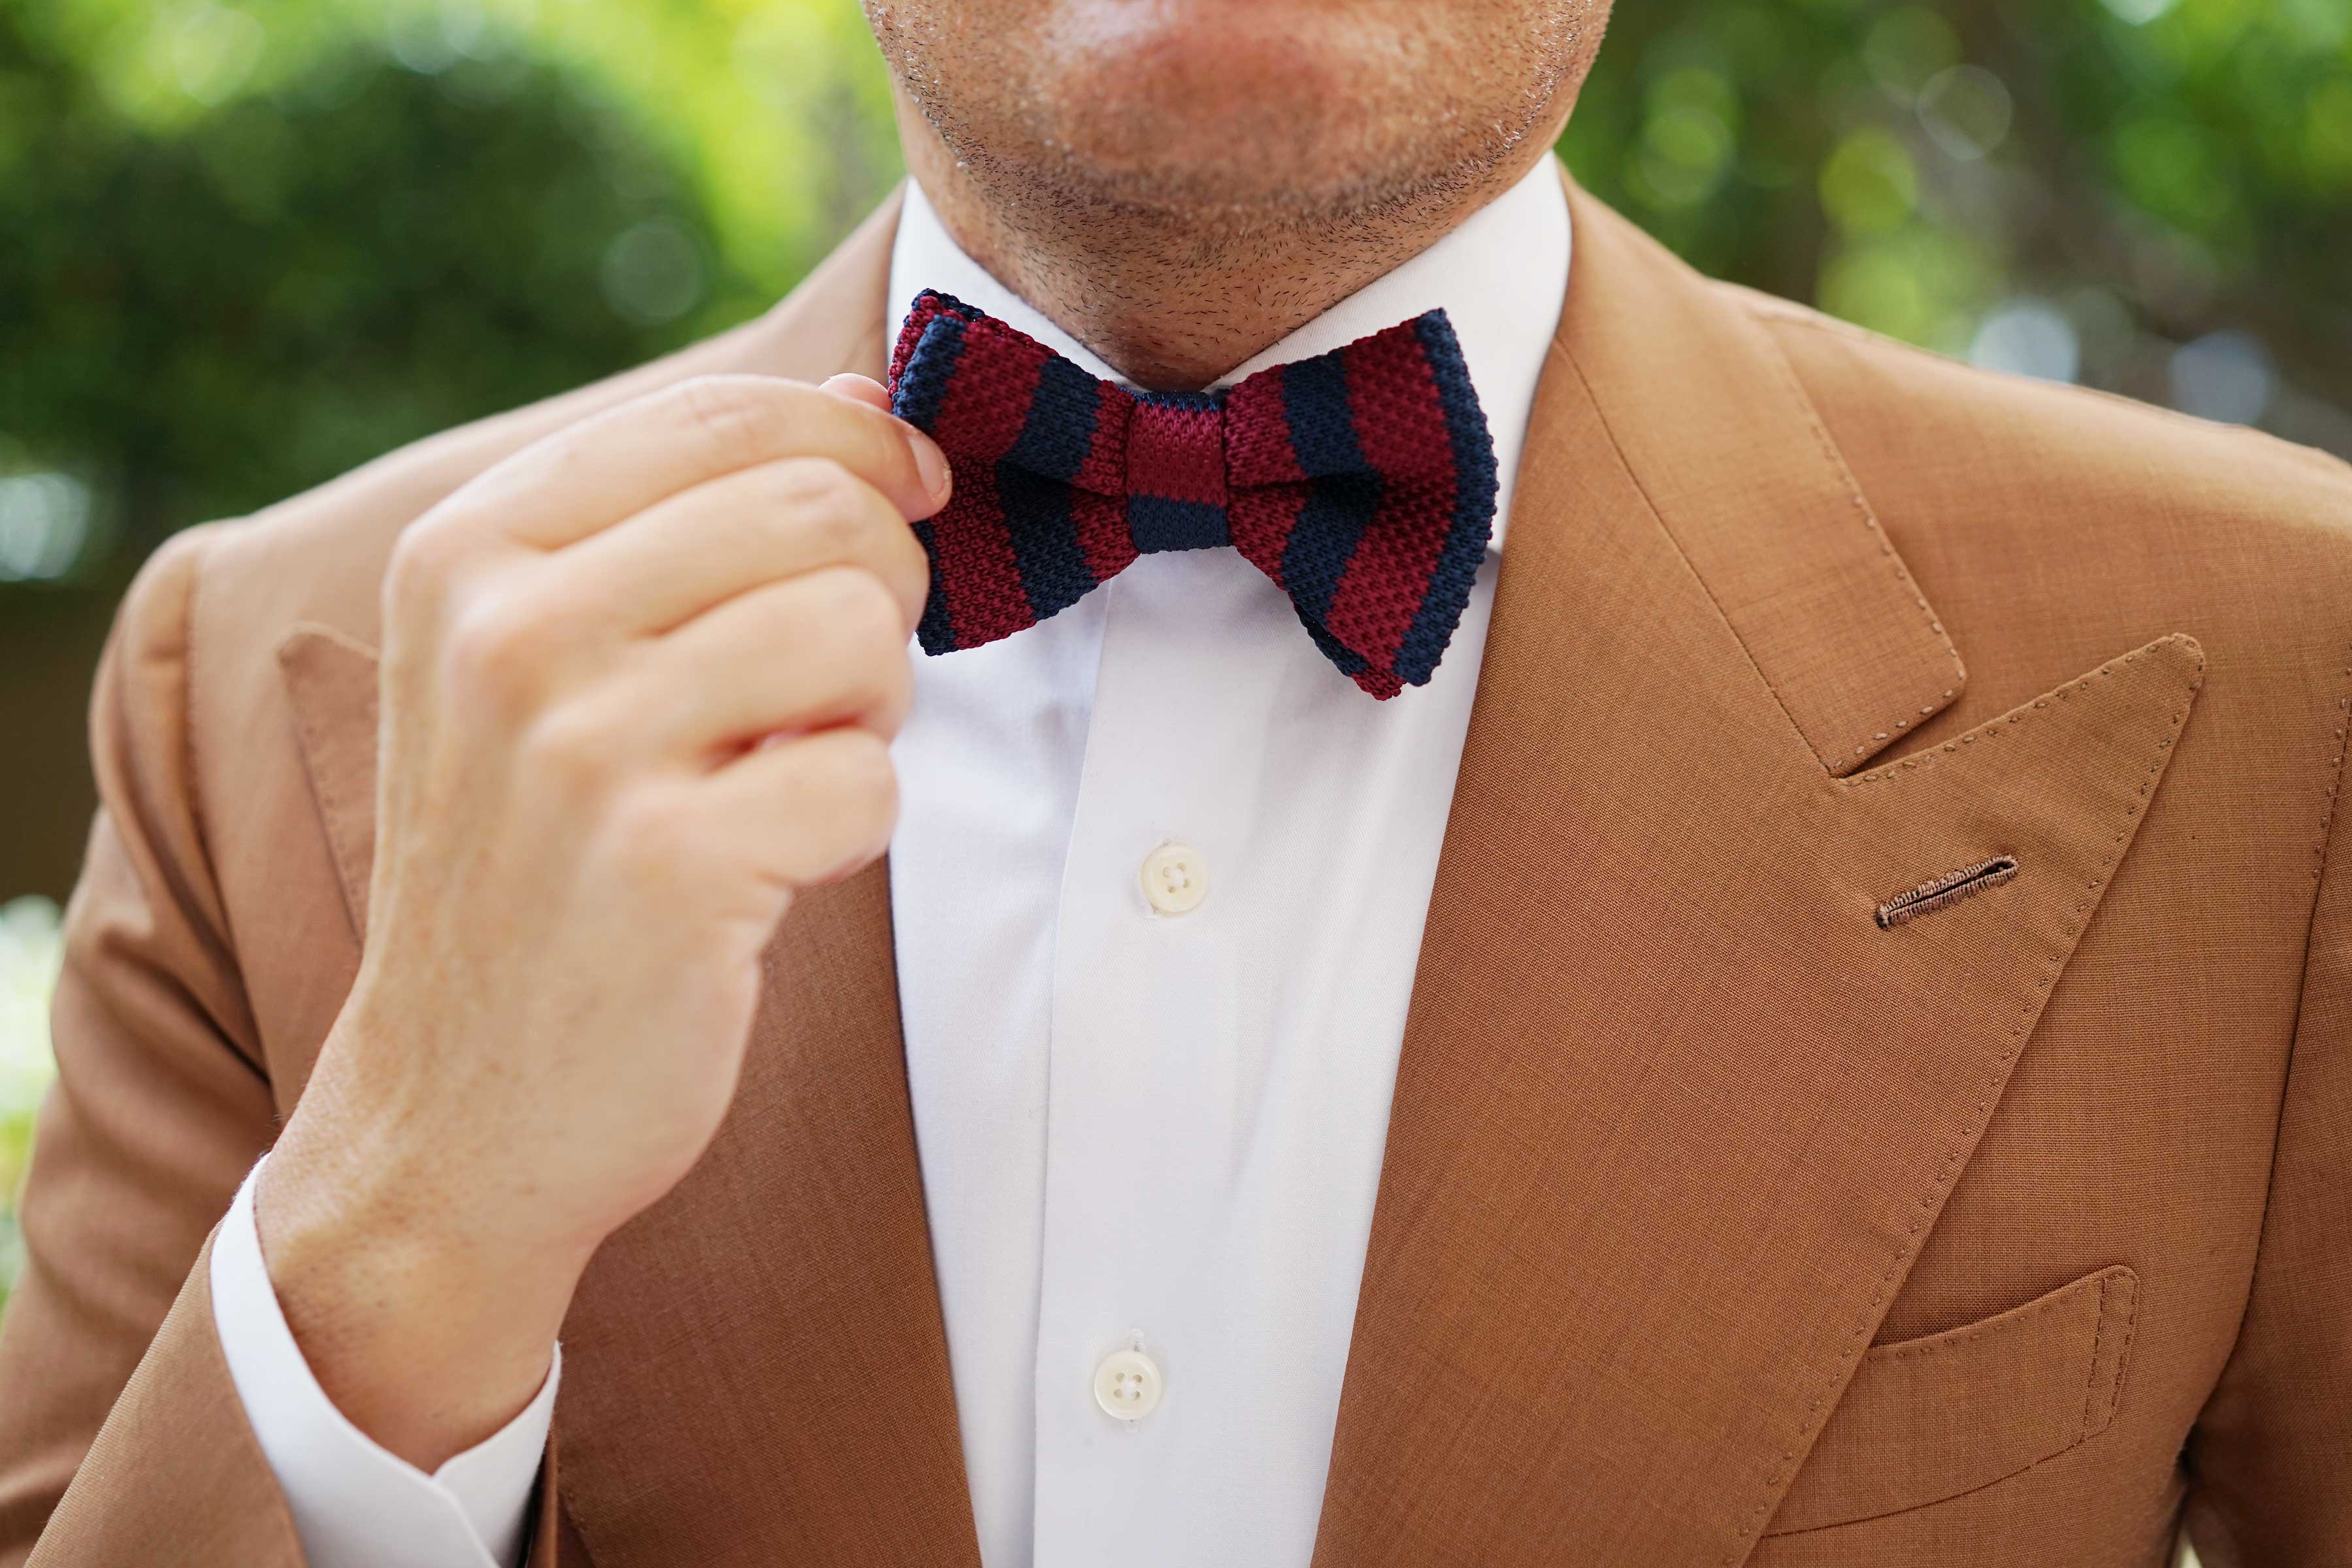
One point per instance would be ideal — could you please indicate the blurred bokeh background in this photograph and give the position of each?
(245, 245)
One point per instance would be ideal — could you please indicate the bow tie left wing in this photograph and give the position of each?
(1038, 520)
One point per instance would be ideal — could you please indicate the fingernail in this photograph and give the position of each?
(930, 463)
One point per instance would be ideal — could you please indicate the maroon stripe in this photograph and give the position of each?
(1261, 519)
(1177, 452)
(1269, 487)
(1097, 507)
(1400, 426)
(1103, 539)
(1257, 434)
(982, 415)
(1105, 469)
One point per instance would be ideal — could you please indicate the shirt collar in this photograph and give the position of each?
(1500, 276)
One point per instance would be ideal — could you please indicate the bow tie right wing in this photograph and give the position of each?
(1364, 484)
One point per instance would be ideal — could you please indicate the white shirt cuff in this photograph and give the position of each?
(355, 1504)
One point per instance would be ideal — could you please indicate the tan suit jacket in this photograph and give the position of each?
(1719, 1225)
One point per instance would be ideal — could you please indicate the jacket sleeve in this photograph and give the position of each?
(122, 1436)
(2270, 1462)
(158, 1110)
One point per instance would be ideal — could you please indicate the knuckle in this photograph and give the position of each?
(829, 501)
(862, 616)
(864, 788)
(498, 653)
(845, 803)
(489, 639)
(910, 557)
(425, 564)
(653, 840)
(814, 481)
(896, 696)
(736, 417)
(570, 752)
(910, 574)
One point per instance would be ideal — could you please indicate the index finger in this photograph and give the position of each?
(587, 477)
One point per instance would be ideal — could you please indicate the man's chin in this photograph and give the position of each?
(1275, 111)
(1135, 28)
(1206, 167)
(1244, 102)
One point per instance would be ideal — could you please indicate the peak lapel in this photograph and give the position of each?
(755, 1370)
(1674, 1112)
(1691, 399)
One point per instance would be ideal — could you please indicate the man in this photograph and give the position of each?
(1742, 1089)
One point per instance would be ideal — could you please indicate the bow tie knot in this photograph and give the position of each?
(1361, 481)
(1174, 473)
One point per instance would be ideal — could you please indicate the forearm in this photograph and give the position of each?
(174, 1475)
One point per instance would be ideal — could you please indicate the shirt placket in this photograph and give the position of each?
(1145, 1098)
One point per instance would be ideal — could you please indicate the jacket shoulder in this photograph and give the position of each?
(319, 557)
(1929, 429)
(2050, 528)
(215, 607)
(2068, 520)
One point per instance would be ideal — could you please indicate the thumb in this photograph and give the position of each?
(859, 389)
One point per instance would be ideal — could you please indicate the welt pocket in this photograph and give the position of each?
(1931, 1418)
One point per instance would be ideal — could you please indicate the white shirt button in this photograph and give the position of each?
(1175, 878)
(1128, 1385)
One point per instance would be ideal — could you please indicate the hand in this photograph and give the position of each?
(637, 687)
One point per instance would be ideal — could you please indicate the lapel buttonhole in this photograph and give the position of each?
(1941, 893)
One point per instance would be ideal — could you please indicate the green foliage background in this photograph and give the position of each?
(250, 244)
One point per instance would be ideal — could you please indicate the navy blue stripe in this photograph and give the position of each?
(1197, 402)
(1341, 500)
(936, 631)
(1158, 522)
(1060, 428)
(923, 384)
(1351, 663)
(1322, 430)
(1475, 484)
(1032, 482)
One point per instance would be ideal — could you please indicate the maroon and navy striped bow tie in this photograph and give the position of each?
(1362, 481)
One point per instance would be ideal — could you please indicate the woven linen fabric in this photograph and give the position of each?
(1361, 481)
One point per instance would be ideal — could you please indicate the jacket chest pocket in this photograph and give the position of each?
(1931, 1418)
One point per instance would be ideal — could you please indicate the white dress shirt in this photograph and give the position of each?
(1159, 886)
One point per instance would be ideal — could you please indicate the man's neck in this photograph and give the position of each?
(1173, 300)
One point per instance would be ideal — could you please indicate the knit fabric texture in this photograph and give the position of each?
(1361, 481)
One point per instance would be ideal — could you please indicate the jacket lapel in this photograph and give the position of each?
(755, 1370)
(1674, 1112)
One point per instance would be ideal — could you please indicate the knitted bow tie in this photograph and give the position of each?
(1362, 481)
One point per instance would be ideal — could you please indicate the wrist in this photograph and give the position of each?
(426, 1333)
